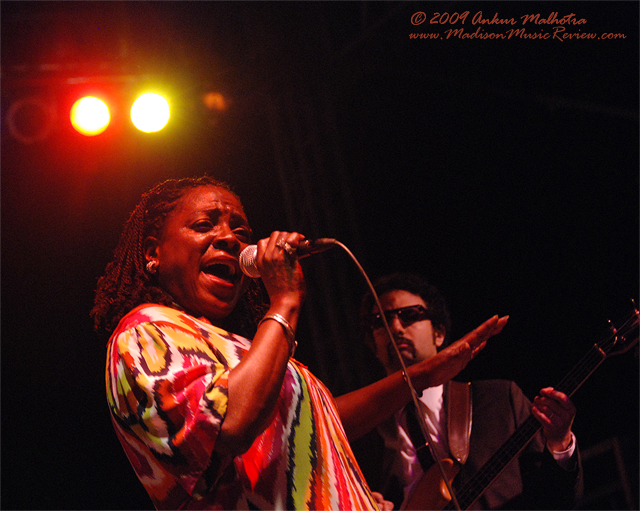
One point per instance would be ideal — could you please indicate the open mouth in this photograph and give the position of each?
(222, 271)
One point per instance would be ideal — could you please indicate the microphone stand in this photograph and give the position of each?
(414, 395)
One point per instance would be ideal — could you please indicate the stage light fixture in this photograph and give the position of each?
(215, 101)
(31, 119)
(95, 106)
(90, 116)
(150, 112)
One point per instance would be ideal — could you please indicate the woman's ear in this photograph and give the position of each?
(150, 248)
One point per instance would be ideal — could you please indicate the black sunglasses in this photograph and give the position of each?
(406, 315)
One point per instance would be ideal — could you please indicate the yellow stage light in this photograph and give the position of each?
(150, 112)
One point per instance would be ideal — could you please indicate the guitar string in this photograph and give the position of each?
(519, 439)
(470, 492)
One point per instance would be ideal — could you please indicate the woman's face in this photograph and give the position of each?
(198, 251)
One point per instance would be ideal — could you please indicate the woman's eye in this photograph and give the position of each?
(203, 226)
(243, 233)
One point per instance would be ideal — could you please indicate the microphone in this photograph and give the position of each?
(249, 255)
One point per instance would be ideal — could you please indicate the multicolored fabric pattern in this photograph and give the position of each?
(167, 390)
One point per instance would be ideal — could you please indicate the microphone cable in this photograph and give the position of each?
(414, 395)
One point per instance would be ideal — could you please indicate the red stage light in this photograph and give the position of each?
(90, 116)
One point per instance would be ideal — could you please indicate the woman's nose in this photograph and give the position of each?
(226, 240)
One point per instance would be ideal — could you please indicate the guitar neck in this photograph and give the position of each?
(479, 482)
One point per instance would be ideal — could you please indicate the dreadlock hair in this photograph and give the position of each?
(125, 283)
(412, 283)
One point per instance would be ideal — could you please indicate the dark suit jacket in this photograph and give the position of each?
(533, 481)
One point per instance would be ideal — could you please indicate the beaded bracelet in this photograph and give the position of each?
(288, 331)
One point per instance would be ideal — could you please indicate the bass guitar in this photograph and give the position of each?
(431, 492)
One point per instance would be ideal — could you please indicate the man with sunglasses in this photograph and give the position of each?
(467, 422)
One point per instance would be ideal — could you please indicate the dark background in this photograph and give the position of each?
(506, 171)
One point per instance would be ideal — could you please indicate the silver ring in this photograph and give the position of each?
(284, 245)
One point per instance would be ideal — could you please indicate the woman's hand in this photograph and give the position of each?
(384, 505)
(279, 268)
(450, 361)
(365, 408)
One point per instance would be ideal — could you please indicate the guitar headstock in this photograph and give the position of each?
(623, 337)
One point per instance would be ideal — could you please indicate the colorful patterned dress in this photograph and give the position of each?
(167, 390)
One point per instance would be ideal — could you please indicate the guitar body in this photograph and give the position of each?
(431, 491)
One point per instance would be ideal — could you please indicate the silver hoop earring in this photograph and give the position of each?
(152, 267)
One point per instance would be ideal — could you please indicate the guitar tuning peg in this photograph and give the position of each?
(612, 327)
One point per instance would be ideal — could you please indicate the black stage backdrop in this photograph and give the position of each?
(502, 167)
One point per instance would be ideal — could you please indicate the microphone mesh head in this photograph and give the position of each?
(247, 261)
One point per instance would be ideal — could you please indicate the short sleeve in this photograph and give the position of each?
(168, 385)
